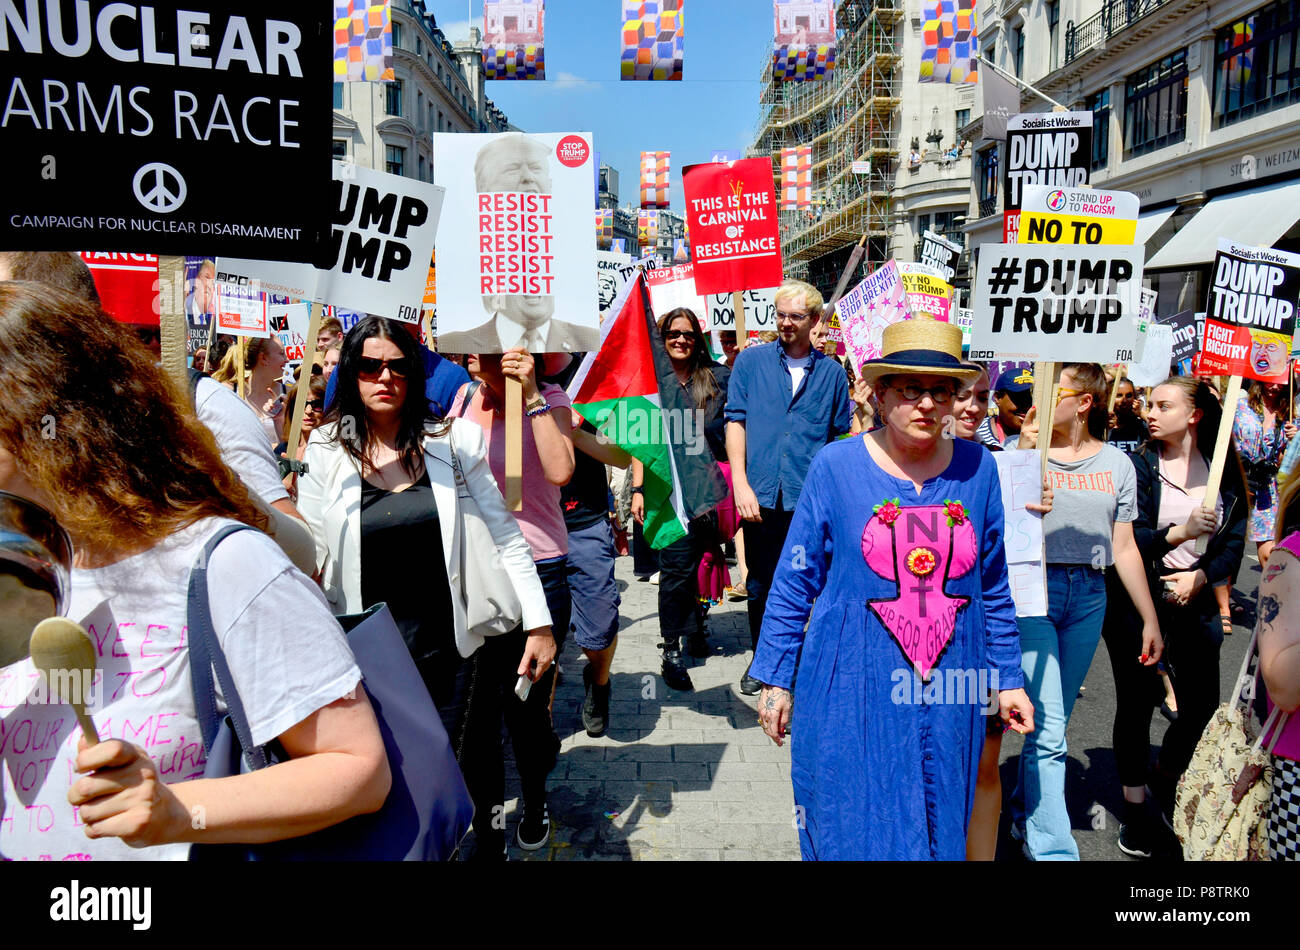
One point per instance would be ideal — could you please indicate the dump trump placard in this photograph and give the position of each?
(515, 255)
(1252, 312)
(939, 252)
(377, 258)
(1057, 303)
(1044, 148)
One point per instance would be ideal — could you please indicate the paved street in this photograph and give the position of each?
(690, 776)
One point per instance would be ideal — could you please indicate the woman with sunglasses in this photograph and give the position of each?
(141, 489)
(548, 463)
(380, 497)
(681, 615)
(914, 624)
(1089, 529)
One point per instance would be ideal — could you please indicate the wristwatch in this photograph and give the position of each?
(638, 489)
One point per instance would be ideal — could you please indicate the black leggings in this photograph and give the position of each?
(679, 581)
(1193, 636)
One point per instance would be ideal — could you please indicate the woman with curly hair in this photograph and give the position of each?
(91, 429)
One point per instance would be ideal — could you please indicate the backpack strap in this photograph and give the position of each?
(206, 654)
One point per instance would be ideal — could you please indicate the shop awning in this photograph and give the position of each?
(1258, 217)
(1148, 224)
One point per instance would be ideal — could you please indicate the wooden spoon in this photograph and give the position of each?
(64, 654)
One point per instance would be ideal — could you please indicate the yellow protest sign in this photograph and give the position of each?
(1078, 216)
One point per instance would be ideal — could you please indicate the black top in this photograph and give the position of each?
(715, 420)
(1129, 433)
(403, 564)
(585, 499)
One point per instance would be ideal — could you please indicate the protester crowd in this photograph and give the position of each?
(398, 443)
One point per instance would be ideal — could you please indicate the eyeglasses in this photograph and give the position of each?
(942, 395)
(1066, 393)
(795, 317)
(369, 368)
(674, 334)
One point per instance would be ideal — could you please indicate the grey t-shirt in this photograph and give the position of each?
(1089, 496)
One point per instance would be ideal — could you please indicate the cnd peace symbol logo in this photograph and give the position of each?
(159, 187)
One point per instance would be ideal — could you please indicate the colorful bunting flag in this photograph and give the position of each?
(654, 179)
(363, 41)
(604, 229)
(949, 45)
(804, 45)
(647, 228)
(654, 34)
(513, 35)
(796, 177)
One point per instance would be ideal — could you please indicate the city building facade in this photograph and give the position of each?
(437, 88)
(1196, 110)
(887, 160)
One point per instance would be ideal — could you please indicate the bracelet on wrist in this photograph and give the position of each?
(638, 489)
(538, 411)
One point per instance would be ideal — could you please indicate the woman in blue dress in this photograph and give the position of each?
(914, 623)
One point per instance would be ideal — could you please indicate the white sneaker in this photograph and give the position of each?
(654, 578)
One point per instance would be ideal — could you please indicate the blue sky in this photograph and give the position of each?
(714, 106)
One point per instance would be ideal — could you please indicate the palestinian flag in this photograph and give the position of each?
(628, 391)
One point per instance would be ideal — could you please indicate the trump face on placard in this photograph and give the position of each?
(506, 169)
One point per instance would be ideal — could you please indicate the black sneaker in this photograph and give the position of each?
(534, 828)
(1135, 841)
(674, 670)
(595, 707)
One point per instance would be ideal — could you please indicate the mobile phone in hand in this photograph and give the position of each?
(522, 688)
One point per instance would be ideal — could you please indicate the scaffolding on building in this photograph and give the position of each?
(850, 117)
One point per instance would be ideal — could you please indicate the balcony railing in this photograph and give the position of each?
(988, 206)
(1115, 17)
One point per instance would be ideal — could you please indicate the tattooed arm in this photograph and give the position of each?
(775, 706)
(1279, 629)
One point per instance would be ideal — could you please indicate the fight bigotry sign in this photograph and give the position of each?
(166, 126)
(1252, 313)
(732, 219)
(1060, 303)
(1044, 148)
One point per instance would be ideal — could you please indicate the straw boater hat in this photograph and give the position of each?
(923, 346)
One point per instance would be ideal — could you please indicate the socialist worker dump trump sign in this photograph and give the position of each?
(1252, 312)
(165, 126)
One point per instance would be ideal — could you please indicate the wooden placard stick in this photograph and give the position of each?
(1121, 373)
(1230, 398)
(241, 354)
(1045, 396)
(172, 331)
(315, 314)
(738, 302)
(514, 444)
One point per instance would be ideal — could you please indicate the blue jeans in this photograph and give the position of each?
(1055, 653)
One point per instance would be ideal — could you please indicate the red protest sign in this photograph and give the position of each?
(731, 216)
(127, 285)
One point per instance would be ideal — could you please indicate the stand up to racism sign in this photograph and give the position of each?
(166, 126)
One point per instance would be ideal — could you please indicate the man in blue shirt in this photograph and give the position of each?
(786, 400)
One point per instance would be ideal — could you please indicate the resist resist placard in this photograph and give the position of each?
(515, 254)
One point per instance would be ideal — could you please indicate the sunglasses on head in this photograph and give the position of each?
(369, 367)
